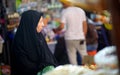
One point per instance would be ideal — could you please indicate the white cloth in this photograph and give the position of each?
(73, 18)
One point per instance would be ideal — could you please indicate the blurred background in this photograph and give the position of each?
(104, 15)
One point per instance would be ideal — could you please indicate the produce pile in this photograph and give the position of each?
(105, 60)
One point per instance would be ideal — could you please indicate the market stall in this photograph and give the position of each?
(52, 10)
(101, 67)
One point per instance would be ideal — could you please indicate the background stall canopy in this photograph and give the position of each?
(90, 5)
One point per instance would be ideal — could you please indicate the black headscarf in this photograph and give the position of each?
(30, 52)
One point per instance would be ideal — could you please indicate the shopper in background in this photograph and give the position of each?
(73, 19)
(91, 38)
(30, 52)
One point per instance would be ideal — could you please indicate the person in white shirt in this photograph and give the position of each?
(73, 21)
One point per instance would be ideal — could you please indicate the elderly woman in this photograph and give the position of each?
(30, 52)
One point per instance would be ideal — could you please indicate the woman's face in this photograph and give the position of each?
(40, 25)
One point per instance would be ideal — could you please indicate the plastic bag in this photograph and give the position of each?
(46, 69)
